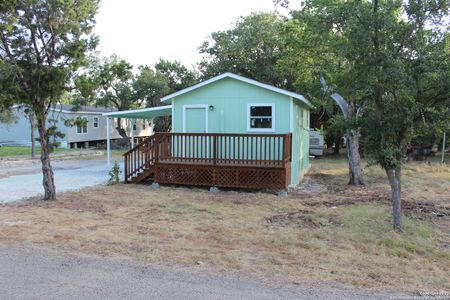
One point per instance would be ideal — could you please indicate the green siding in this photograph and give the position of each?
(300, 137)
(230, 98)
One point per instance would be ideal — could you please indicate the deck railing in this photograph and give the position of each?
(142, 156)
(217, 149)
(140, 139)
(226, 148)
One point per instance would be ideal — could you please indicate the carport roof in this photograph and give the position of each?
(143, 113)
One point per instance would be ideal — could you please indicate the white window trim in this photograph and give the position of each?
(87, 129)
(94, 122)
(249, 129)
(205, 106)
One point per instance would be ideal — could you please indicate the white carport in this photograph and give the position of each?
(144, 113)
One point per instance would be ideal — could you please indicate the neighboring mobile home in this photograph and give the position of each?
(227, 131)
(93, 134)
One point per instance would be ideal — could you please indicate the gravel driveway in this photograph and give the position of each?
(24, 182)
(28, 273)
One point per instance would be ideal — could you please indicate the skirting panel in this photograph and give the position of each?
(233, 177)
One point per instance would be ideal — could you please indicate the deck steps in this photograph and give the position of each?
(144, 175)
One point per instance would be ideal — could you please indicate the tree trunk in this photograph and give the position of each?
(337, 144)
(394, 176)
(350, 112)
(33, 140)
(122, 132)
(48, 178)
(354, 159)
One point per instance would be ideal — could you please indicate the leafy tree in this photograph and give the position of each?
(7, 116)
(319, 57)
(177, 75)
(149, 86)
(42, 44)
(410, 84)
(107, 82)
(251, 48)
(391, 60)
(114, 78)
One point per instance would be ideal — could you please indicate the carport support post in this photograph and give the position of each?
(108, 142)
(133, 123)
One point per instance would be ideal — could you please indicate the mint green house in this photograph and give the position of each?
(230, 122)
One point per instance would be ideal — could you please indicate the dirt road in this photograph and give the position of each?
(29, 273)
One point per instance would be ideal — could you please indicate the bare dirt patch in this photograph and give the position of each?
(324, 232)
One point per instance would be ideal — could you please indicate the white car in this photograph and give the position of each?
(316, 142)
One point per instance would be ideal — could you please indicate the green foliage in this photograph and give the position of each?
(410, 87)
(114, 174)
(43, 43)
(149, 86)
(114, 77)
(78, 121)
(177, 75)
(53, 134)
(111, 83)
(7, 116)
(251, 48)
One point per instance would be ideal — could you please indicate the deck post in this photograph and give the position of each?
(108, 142)
(214, 149)
(214, 159)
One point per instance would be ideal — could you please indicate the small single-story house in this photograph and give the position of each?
(228, 131)
(94, 133)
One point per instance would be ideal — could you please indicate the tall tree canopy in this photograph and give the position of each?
(42, 44)
(111, 82)
(251, 48)
(408, 82)
(177, 75)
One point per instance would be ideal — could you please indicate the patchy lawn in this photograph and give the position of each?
(324, 231)
(23, 150)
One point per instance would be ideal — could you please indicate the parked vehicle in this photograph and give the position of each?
(316, 142)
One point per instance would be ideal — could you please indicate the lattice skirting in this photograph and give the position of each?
(233, 177)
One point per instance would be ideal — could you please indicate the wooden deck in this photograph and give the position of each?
(212, 159)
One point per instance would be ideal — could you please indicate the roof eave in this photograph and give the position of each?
(240, 78)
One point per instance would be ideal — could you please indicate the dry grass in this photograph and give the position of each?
(324, 231)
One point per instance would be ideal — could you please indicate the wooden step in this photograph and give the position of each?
(144, 175)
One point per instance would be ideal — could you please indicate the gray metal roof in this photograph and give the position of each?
(94, 109)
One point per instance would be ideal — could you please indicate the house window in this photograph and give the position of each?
(82, 128)
(261, 117)
(95, 122)
(134, 126)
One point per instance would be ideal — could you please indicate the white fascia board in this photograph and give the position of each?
(140, 110)
(240, 78)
